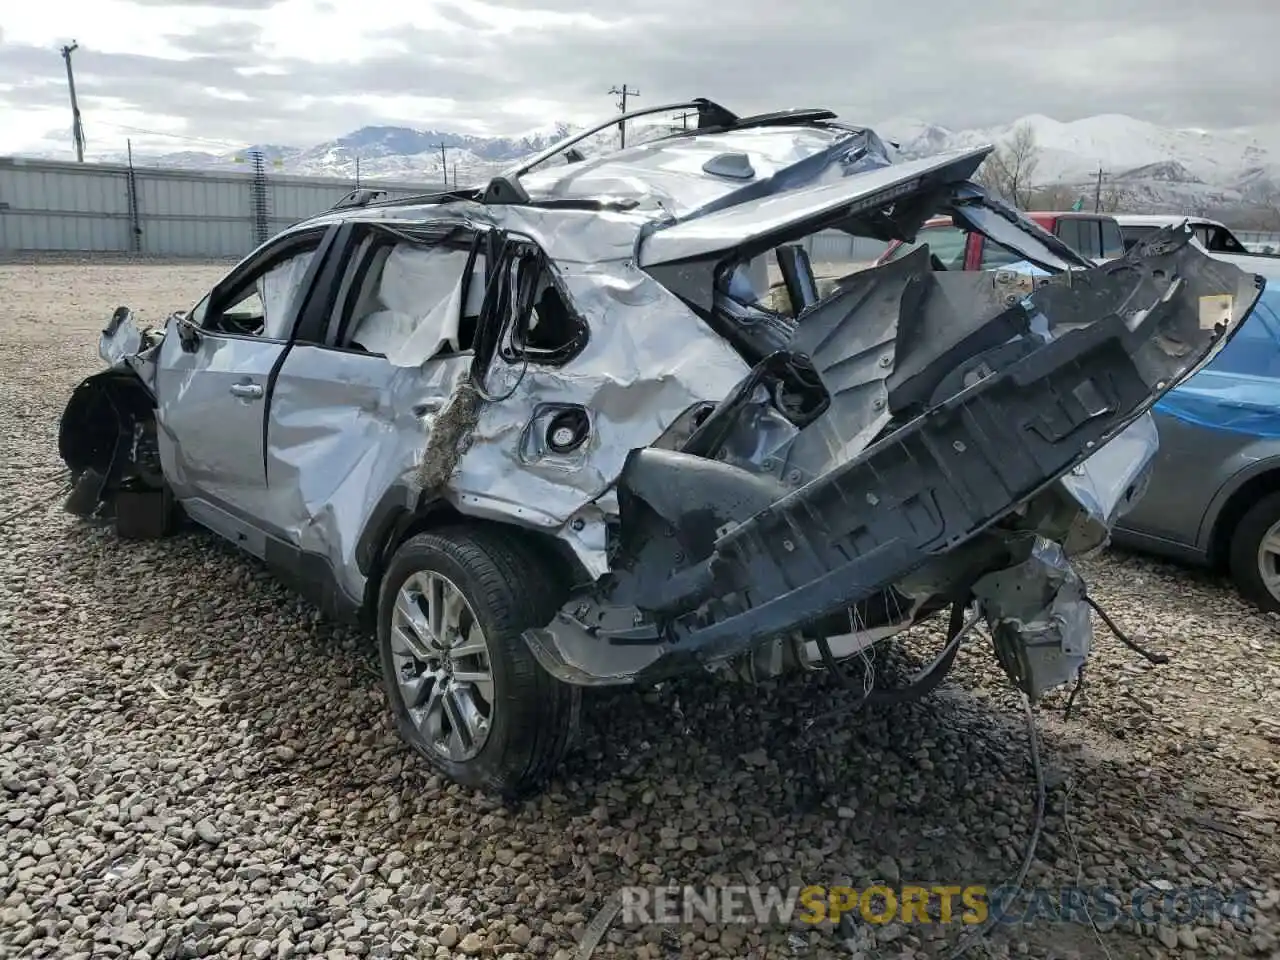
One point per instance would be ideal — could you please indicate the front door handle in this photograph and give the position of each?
(249, 391)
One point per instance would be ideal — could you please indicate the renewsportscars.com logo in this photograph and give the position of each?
(919, 904)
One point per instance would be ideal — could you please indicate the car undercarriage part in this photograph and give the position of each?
(1040, 627)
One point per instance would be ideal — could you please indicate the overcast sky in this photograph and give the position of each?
(229, 72)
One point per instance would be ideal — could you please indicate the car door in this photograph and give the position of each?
(345, 423)
(212, 382)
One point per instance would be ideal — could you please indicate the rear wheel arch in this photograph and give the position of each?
(527, 717)
(400, 524)
(1238, 503)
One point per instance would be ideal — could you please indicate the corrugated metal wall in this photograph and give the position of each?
(54, 205)
(836, 247)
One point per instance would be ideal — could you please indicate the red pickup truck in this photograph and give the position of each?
(1095, 235)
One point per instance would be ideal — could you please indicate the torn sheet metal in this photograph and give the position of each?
(767, 220)
(342, 434)
(648, 359)
(124, 344)
(1114, 478)
(1038, 618)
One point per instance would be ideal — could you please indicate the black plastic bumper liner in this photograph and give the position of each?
(944, 477)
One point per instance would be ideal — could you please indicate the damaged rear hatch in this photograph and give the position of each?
(949, 400)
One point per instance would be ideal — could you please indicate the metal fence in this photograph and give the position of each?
(55, 205)
(834, 246)
(1259, 239)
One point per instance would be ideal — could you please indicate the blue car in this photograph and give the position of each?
(1214, 493)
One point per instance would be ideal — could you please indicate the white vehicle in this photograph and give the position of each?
(1215, 237)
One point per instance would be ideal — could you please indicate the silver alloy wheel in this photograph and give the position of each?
(442, 665)
(1269, 560)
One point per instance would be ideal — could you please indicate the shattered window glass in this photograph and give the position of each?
(549, 331)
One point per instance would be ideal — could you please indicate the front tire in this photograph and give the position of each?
(1255, 553)
(464, 688)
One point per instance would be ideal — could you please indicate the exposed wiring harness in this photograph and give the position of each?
(971, 940)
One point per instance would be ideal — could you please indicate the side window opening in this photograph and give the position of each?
(411, 298)
(541, 327)
(265, 303)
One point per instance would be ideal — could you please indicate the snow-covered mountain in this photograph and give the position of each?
(393, 153)
(1145, 166)
(1151, 167)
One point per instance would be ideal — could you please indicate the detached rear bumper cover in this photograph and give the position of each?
(1123, 335)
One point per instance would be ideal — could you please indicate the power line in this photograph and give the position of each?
(622, 95)
(173, 136)
(684, 118)
(77, 128)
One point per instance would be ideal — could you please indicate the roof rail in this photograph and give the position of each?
(360, 197)
(710, 114)
(505, 188)
(780, 118)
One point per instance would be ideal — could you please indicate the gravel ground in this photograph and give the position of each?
(193, 763)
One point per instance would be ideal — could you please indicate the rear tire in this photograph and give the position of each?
(494, 720)
(1255, 566)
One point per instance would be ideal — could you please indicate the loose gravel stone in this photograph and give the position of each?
(195, 763)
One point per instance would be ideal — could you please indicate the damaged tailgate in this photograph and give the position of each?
(1079, 360)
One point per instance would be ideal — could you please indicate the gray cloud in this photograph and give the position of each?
(979, 63)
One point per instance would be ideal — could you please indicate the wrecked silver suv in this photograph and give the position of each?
(598, 422)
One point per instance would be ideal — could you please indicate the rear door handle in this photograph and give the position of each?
(249, 391)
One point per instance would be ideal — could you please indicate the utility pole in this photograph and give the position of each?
(444, 165)
(684, 119)
(357, 171)
(622, 95)
(77, 128)
(1097, 192)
